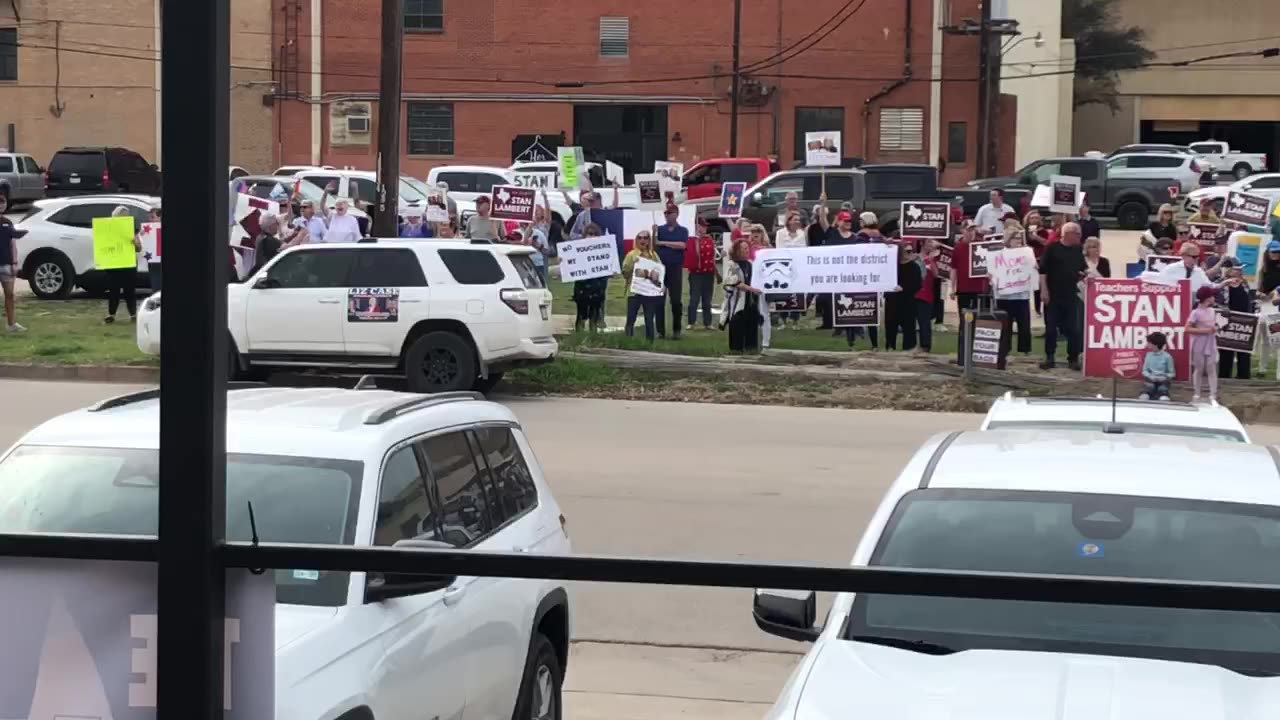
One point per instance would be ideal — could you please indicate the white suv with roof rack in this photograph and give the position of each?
(1209, 420)
(448, 315)
(359, 468)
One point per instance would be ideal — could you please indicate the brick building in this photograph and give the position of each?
(80, 73)
(635, 83)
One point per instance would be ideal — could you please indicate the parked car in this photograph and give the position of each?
(235, 171)
(362, 186)
(453, 315)
(95, 170)
(56, 254)
(291, 169)
(706, 177)
(1224, 159)
(1151, 165)
(468, 182)
(344, 467)
(628, 196)
(21, 178)
(765, 199)
(1205, 420)
(1264, 184)
(1130, 201)
(1119, 505)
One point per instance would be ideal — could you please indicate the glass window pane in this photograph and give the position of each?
(472, 267)
(463, 502)
(403, 510)
(306, 269)
(512, 480)
(387, 268)
(430, 128)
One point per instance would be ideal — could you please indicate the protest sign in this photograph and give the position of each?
(1271, 321)
(979, 257)
(1247, 248)
(149, 233)
(1205, 235)
(373, 304)
(572, 174)
(1127, 363)
(672, 171)
(822, 149)
(925, 220)
(856, 309)
(1237, 331)
(614, 173)
(113, 243)
(513, 203)
(988, 333)
(944, 261)
(866, 268)
(1119, 314)
(588, 258)
(1245, 209)
(650, 189)
(1156, 263)
(1043, 198)
(1013, 271)
(731, 199)
(1064, 194)
(647, 278)
(538, 180)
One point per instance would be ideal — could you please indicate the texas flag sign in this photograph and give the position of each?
(731, 199)
(149, 233)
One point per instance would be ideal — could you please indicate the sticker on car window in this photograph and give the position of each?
(1090, 550)
(309, 575)
(373, 304)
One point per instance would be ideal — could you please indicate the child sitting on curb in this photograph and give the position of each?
(1157, 369)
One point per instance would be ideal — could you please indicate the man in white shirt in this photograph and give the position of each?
(343, 228)
(1188, 269)
(314, 222)
(990, 217)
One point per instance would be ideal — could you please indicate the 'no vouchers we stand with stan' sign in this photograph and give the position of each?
(1120, 314)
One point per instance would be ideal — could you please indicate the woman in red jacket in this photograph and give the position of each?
(700, 263)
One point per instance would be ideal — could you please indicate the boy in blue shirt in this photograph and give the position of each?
(1157, 369)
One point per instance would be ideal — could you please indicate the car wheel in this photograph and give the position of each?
(439, 362)
(52, 277)
(1133, 215)
(486, 384)
(540, 690)
(1241, 171)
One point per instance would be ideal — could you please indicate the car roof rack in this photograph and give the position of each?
(154, 394)
(403, 407)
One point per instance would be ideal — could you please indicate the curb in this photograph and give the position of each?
(84, 373)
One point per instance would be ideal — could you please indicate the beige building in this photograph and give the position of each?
(89, 74)
(1232, 99)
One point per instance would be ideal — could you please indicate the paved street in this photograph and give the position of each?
(685, 481)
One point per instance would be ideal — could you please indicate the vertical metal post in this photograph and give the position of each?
(385, 221)
(195, 86)
(984, 90)
(733, 89)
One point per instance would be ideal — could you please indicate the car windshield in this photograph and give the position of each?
(1079, 534)
(1143, 428)
(113, 491)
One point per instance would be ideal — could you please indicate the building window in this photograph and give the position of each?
(8, 53)
(901, 129)
(615, 36)
(424, 15)
(816, 119)
(430, 128)
(957, 142)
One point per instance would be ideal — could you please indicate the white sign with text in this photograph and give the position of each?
(588, 258)
(865, 268)
(1013, 271)
(537, 180)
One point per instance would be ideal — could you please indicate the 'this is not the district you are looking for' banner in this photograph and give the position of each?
(866, 268)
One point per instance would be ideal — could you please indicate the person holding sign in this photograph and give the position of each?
(966, 289)
(1202, 327)
(1017, 306)
(121, 278)
(641, 276)
(9, 269)
(741, 301)
(589, 295)
(1238, 299)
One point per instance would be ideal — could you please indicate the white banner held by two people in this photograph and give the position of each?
(865, 268)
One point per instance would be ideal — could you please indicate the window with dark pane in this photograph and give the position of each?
(424, 15)
(957, 142)
(8, 53)
(430, 128)
(512, 480)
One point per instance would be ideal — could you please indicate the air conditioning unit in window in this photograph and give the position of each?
(357, 123)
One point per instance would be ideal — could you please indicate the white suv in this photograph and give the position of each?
(449, 315)
(360, 467)
(1207, 420)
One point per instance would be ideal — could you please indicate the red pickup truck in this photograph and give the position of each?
(705, 178)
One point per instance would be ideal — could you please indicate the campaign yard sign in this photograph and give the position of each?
(980, 257)
(925, 220)
(1013, 271)
(867, 268)
(945, 253)
(1237, 331)
(1245, 209)
(822, 149)
(1064, 194)
(588, 258)
(856, 310)
(1205, 235)
(650, 188)
(513, 203)
(1120, 314)
(731, 199)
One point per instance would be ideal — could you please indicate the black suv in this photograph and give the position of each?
(92, 170)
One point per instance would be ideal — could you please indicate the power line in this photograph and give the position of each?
(793, 45)
(756, 66)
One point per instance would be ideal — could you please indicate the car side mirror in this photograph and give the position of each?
(789, 614)
(388, 586)
(266, 282)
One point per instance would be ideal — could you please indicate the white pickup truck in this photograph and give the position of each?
(1224, 159)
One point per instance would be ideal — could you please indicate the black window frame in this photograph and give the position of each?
(447, 253)
(304, 252)
(957, 143)
(403, 258)
(425, 112)
(8, 54)
(419, 18)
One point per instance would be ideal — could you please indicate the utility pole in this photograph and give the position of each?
(385, 221)
(733, 90)
(984, 91)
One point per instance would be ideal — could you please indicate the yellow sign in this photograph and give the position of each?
(568, 158)
(113, 243)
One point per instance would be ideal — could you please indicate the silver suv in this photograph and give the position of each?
(21, 178)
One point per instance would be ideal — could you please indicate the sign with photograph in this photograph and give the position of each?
(1271, 325)
(988, 333)
(588, 258)
(1237, 331)
(1064, 194)
(731, 199)
(647, 278)
(925, 220)
(80, 641)
(1119, 314)
(1013, 271)
(649, 187)
(1042, 197)
(537, 180)
(1206, 235)
(513, 203)
(979, 257)
(672, 171)
(373, 304)
(856, 309)
(822, 149)
(1245, 209)
(866, 268)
